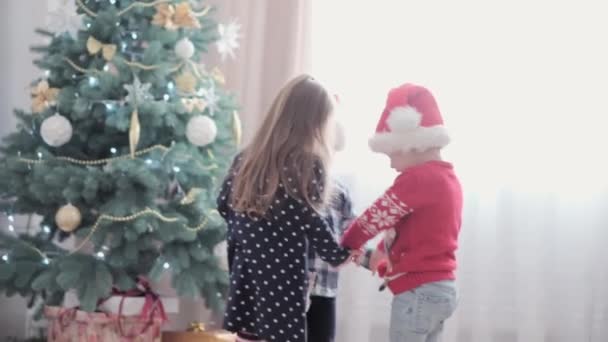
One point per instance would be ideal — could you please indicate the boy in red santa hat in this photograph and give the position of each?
(420, 216)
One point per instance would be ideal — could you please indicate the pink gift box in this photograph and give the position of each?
(72, 325)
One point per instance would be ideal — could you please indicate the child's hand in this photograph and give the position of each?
(376, 260)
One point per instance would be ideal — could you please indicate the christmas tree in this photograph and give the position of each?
(120, 156)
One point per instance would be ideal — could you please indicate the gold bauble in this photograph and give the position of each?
(68, 218)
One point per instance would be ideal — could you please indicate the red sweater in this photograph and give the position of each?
(424, 207)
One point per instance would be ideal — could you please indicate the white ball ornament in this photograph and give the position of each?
(68, 218)
(184, 49)
(56, 130)
(201, 130)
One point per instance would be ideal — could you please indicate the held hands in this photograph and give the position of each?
(374, 260)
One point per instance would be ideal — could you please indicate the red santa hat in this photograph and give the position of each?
(411, 121)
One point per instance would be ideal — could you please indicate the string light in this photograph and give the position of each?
(166, 265)
(88, 25)
(46, 229)
(39, 155)
(11, 228)
(110, 107)
(93, 81)
(11, 218)
(106, 67)
(134, 35)
(171, 86)
(149, 161)
(5, 257)
(47, 73)
(113, 150)
(176, 169)
(46, 261)
(100, 255)
(113, 2)
(166, 97)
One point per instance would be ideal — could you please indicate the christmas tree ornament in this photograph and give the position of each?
(56, 130)
(191, 196)
(65, 20)
(137, 92)
(68, 218)
(194, 104)
(173, 17)
(201, 130)
(186, 82)
(184, 49)
(218, 76)
(237, 128)
(229, 39)
(211, 98)
(134, 132)
(43, 96)
(94, 46)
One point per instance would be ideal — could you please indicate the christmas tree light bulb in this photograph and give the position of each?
(166, 265)
(46, 229)
(11, 228)
(105, 248)
(110, 107)
(11, 218)
(176, 169)
(100, 255)
(170, 86)
(93, 81)
(39, 155)
(46, 261)
(113, 150)
(5, 257)
(113, 2)
(47, 73)
(88, 25)
(149, 161)
(134, 35)
(106, 67)
(166, 97)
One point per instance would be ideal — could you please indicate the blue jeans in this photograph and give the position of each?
(418, 315)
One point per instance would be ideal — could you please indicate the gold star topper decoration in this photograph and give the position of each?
(172, 17)
(43, 96)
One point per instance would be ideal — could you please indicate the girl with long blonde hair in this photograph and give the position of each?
(274, 200)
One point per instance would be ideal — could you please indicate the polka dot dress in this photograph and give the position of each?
(268, 266)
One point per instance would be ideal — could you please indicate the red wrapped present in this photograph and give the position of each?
(74, 325)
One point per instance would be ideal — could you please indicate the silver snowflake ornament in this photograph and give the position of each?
(229, 39)
(137, 92)
(65, 20)
(211, 98)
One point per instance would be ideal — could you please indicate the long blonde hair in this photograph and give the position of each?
(291, 147)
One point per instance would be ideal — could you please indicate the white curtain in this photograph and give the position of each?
(522, 85)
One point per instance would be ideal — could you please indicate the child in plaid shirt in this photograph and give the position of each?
(323, 280)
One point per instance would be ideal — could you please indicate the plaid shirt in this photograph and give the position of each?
(324, 277)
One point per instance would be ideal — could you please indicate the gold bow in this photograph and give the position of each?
(107, 50)
(186, 82)
(194, 103)
(43, 96)
(197, 327)
(172, 17)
